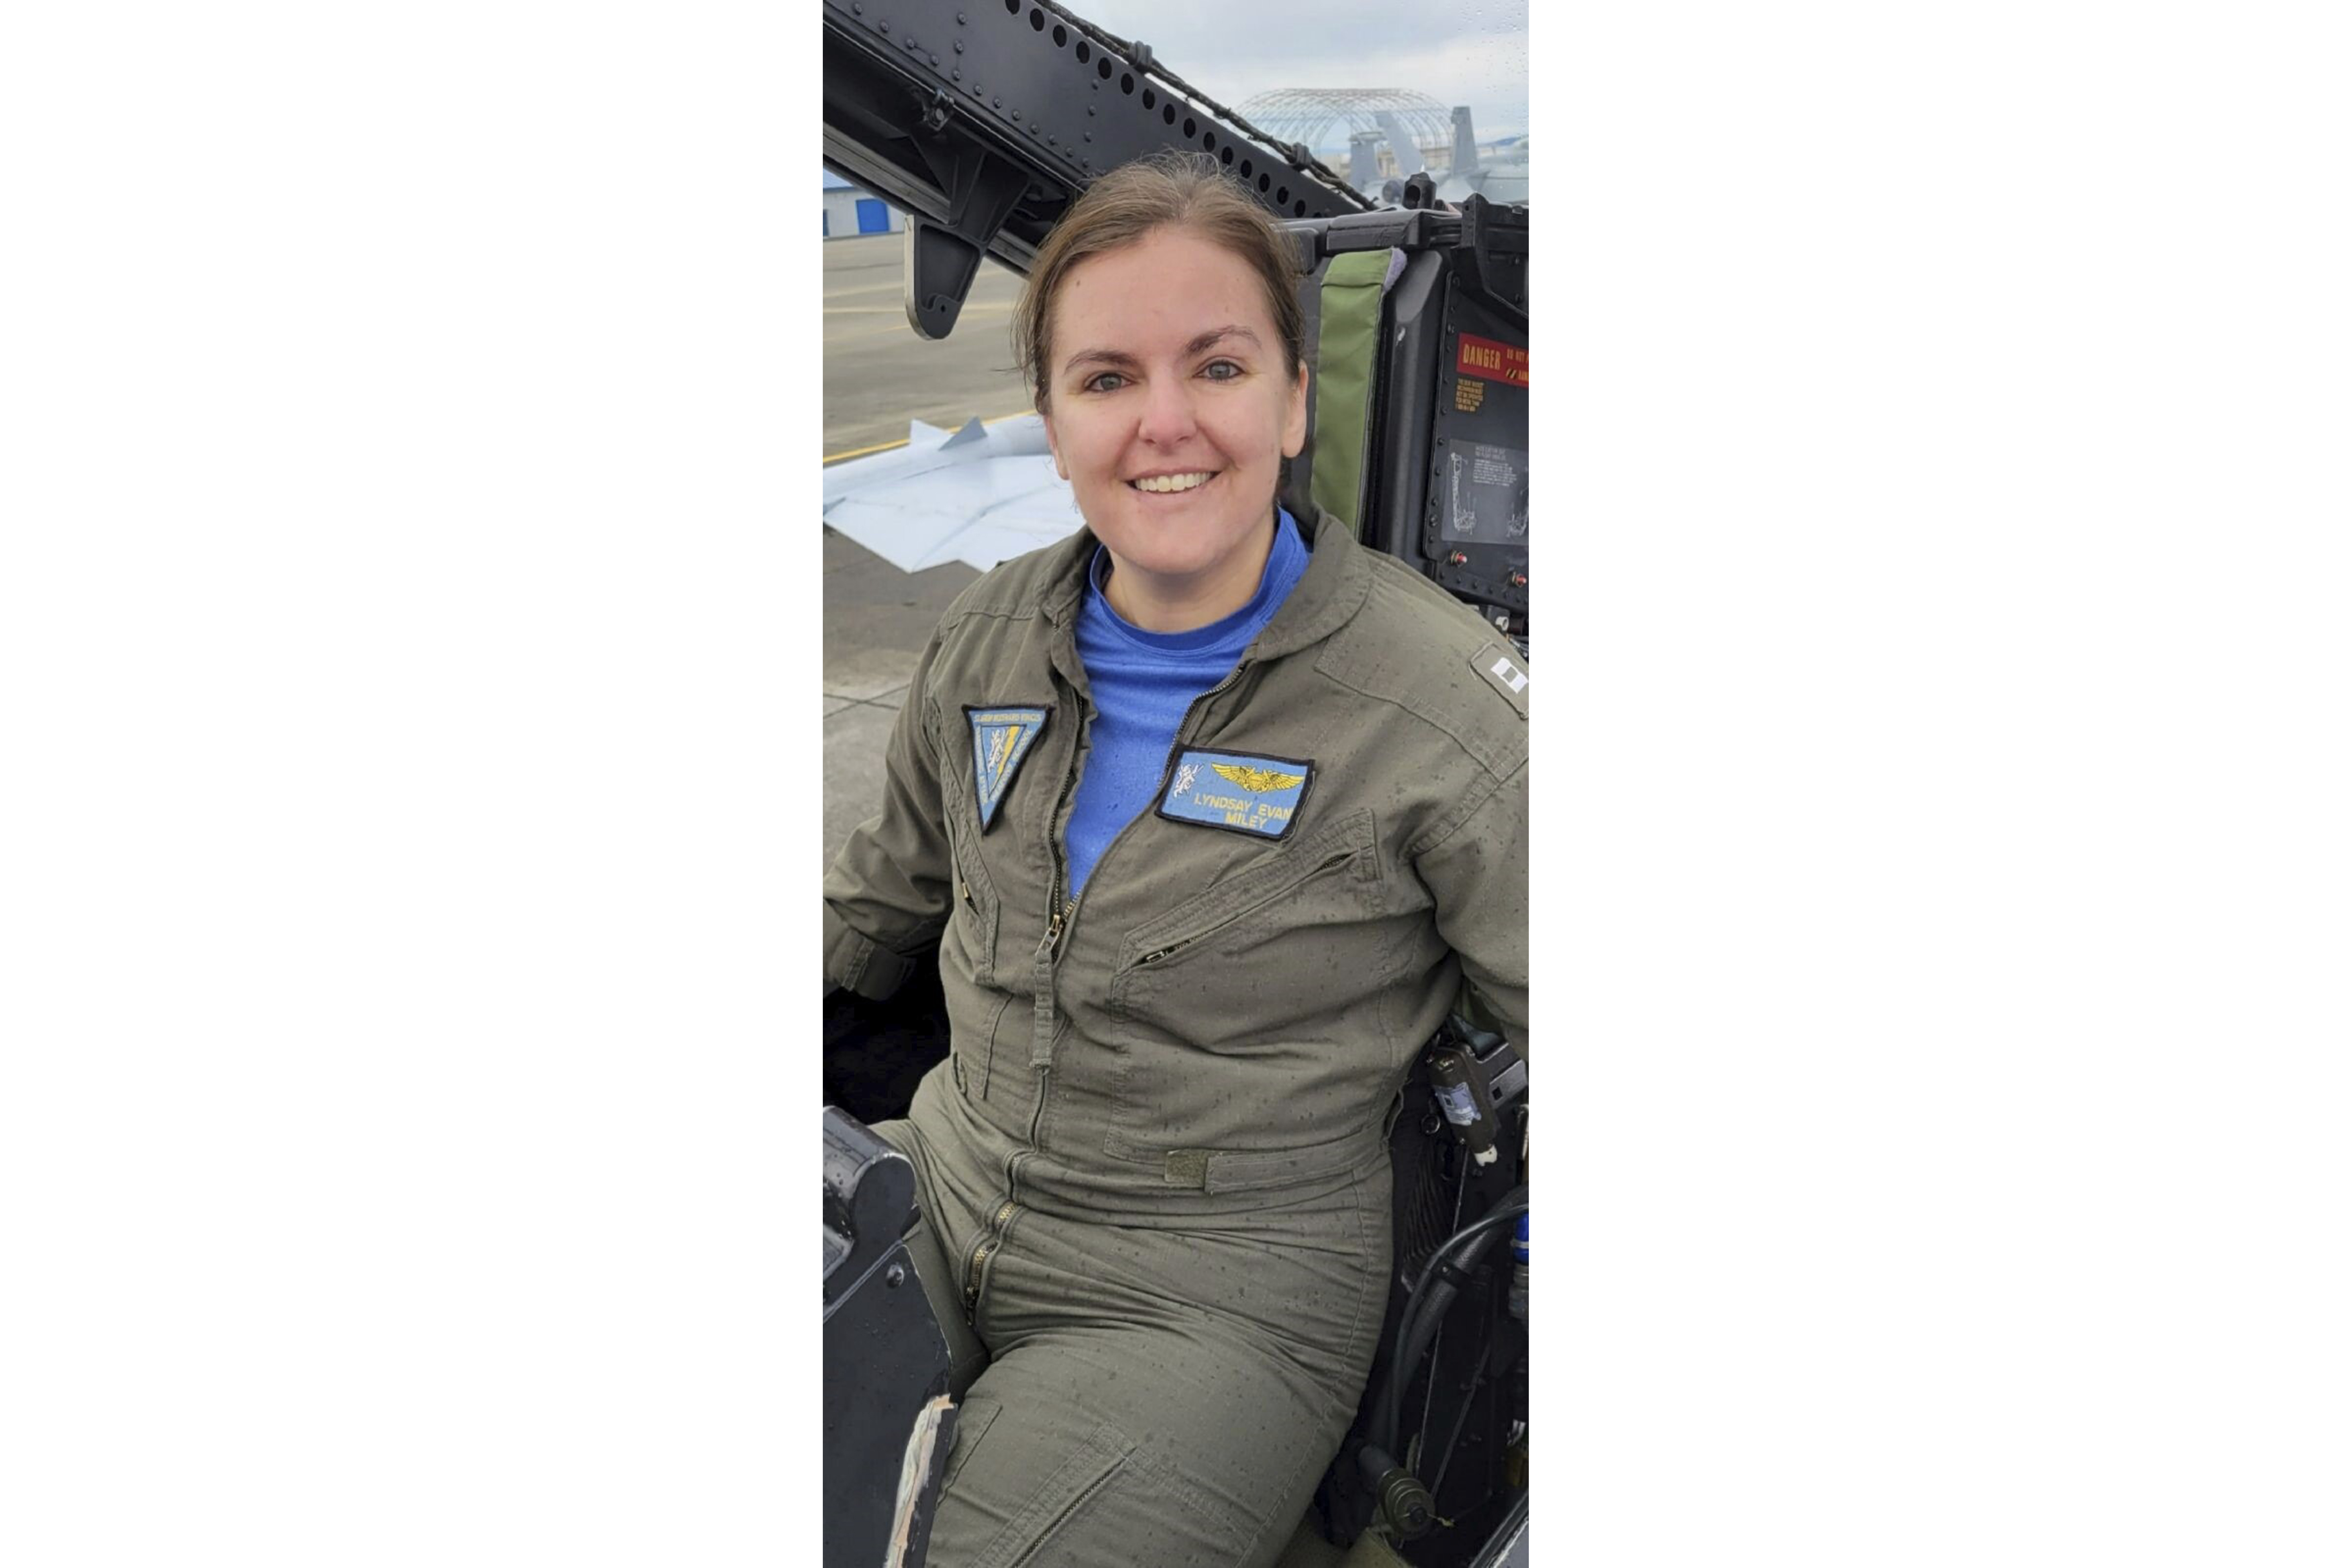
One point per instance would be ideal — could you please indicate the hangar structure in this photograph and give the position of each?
(850, 210)
(1393, 133)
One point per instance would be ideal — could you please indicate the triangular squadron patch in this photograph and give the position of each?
(1000, 738)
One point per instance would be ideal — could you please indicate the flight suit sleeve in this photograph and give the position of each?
(891, 888)
(1476, 870)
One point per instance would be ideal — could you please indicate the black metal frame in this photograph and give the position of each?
(885, 1353)
(985, 118)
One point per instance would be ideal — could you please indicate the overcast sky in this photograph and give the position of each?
(1457, 51)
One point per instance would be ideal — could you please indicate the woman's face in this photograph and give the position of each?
(1167, 369)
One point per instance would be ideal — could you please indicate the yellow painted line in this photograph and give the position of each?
(900, 308)
(837, 335)
(887, 445)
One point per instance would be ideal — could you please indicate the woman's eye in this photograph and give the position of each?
(1108, 380)
(1222, 370)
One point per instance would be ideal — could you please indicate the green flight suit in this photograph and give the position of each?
(1153, 1169)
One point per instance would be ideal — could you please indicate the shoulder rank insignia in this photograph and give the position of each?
(1000, 738)
(1503, 673)
(1238, 790)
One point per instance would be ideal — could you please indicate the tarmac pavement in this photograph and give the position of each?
(878, 373)
(876, 618)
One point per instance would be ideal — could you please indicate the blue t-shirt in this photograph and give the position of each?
(1143, 683)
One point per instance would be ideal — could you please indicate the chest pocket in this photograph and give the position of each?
(1291, 939)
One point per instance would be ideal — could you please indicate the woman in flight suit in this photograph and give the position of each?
(1211, 813)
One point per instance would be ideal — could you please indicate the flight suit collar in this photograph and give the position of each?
(1331, 590)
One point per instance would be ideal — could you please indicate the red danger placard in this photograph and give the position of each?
(1494, 361)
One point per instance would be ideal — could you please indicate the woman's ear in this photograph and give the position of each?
(1294, 418)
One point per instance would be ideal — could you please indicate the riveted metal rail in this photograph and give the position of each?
(984, 119)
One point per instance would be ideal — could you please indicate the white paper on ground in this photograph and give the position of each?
(982, 495)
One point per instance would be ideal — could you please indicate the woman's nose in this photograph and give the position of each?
(1167, 413)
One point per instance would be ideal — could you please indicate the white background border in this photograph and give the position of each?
(408, 656)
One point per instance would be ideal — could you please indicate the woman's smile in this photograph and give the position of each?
(1171, 485)
(1172, 413)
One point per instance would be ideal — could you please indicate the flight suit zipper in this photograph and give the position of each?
(1184, 730)
(1060, 913)
(999, 1225)
(992, 1240)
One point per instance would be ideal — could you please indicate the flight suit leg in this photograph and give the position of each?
(1145, 1396)
(1111, 1447)
(934, 1270)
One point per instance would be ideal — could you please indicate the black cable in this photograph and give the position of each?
(1510, 1207)
(1429, 1301)
(1445, 1458)
(1437, 1265)
(1462, 1419)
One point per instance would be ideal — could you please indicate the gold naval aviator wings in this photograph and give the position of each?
(1257, 781)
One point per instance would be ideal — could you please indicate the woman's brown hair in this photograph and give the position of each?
(1183, 190)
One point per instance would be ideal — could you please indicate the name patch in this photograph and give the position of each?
(1000, 738)
(1238, 790)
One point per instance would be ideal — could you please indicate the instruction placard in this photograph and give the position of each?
(1487, 500)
